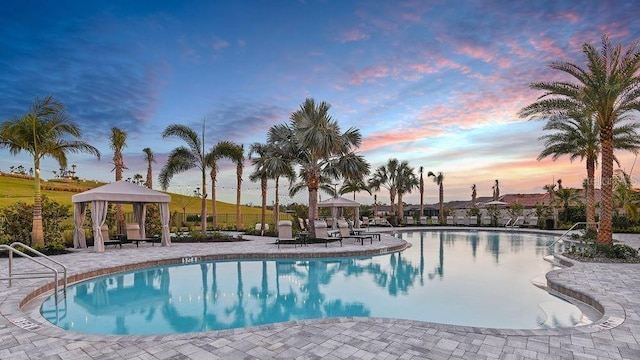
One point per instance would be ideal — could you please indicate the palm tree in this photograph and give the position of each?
(40, 132)
(385, 176)
(118, 141)
(150, 158)
(474, 194)
(405, 182)
(354, 186)
(137, 179)
(421, 169)
(607, 88)
(439, 180)
(625, 197)
(566, 197)
(496, 191)
(185, 158)
(235, 153)
(578, 137)
(260, 173)
(314, 142)
(222, 149)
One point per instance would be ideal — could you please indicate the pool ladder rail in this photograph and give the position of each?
(53, 267)
(563, 237)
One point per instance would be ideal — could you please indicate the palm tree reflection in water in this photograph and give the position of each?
(287, 289)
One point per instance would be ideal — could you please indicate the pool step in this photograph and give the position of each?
(540, 281)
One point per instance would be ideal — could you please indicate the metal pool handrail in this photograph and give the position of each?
(32, 275)
(571, 229)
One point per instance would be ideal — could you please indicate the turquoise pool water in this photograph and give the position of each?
(454, 277)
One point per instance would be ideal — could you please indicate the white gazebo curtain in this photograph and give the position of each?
(79, 240)
(139, 215)
(164, 219)
(98, 217)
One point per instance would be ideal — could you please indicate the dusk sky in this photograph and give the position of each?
(436, 83)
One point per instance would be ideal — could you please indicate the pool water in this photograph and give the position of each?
(453, 277)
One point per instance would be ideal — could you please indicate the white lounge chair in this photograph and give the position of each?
(449, 220)
(435, 220)
(345, 233)
(423, 220)
(322, 233)
(285, 233)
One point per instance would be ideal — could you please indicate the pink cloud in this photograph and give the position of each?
(371, 73)
(352, 35)
(219, 44)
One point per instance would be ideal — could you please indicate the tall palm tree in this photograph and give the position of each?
(421, 169)
(260, 173)
(607, 88)
(314, 142)
(185, 158)
(117, 142)
(277, 166)
(578, 137)
(235, 153)
(439, 180)
(41, 132)
(474, 194)
(222, 149)
(150, 158)
(406, 181)
(385, 176)
(354, 186)
(496, 190)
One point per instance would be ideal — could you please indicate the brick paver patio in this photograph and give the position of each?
(612, 288)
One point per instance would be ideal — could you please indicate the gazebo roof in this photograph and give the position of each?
(122, 192)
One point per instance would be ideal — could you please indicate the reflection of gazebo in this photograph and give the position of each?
(339, 202)
(117, 192)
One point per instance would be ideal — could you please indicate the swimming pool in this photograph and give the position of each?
(454, 277)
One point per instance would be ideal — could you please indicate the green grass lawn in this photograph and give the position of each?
(13, 190)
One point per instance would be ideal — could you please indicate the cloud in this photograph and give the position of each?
(352, 35)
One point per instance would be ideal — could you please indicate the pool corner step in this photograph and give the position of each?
(540, 281)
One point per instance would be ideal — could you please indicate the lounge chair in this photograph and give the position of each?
(409, 220)
(104, 230)
(134, 236)
(345, 233)
(285, 234)
(434, 220)
(365, 221)
(303, 227)
(461, 220)
(322, 234)
(532, 221)
(473, 220)
(486, 220)
(449, 220)
(423, 220)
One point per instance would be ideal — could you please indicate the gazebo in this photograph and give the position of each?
(117, 192)
(339, 202)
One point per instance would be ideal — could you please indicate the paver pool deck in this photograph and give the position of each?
(612, 288)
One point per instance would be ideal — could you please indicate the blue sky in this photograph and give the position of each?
(435, 83)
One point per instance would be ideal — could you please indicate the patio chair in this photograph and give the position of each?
(423, 220)
(345, 233)
(285, 233)
(434, 220)
(449, 220)
(409, 220)
(133, 235)
(532, 221)
(461, 220)
(104, 230)
(322, 234)
(473, 220)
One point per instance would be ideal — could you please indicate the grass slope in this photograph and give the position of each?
(13, 190)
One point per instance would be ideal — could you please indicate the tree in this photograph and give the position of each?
(566, 197)
(439, 180)
(474, 194)
(222, 149)
(385, 177)
(421, 192)
(40, 132)
(625, 197)
(313, 141)
(578, 137)
(150, 158)
(118, 141)
(496, 191)
(406, 181)
(607, 88)
(354, 186)
(235, 153)
(185, 158)
(260, 173)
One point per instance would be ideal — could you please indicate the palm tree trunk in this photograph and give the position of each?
(400, 214)
(203, 204)
(276, 210)
(591, 201)
(421, 197)
(263, 213)
(239, 225)
(312, 186)
(37, 231)
(606, 216)
(214, 204)
(441, 196)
